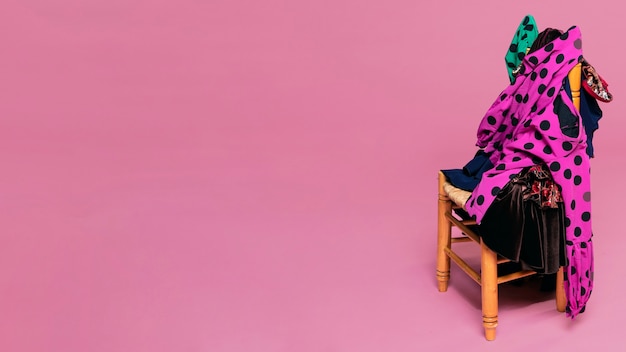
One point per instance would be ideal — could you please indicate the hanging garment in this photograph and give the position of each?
(524, 37)
(526, 224)
(594, 84)
(468, 177)
(541, 125)
(591, 114)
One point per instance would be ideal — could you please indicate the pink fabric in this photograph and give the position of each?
(522, 128)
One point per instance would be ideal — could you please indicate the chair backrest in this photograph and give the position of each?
(574, 77)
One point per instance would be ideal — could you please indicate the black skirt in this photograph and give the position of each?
(523, 230)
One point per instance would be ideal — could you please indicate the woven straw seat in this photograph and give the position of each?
(456, 195)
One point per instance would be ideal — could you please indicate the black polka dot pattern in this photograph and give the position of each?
(522, 129)
(578, 180)
(567, 146)
(578, 160)
(541, 89)
(567, 174)
(578, 43)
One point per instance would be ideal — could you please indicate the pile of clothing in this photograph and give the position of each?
(530, 178)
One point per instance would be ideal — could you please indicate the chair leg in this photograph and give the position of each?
(489, 290)
(561, 299)
(444, 232)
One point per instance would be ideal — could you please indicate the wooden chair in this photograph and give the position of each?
(451, 198)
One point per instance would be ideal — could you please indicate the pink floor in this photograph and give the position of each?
(261, 175)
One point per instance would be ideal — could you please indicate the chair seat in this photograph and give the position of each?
(457, 195)
(487, 276)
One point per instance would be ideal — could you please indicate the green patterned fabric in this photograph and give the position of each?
(524, 37)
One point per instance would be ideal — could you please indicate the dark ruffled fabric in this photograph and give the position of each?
(526, 222)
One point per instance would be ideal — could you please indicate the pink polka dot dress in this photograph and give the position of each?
(534, 121)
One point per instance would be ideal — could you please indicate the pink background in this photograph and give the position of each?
(260, 175)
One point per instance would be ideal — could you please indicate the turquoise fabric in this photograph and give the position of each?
(524, 37)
